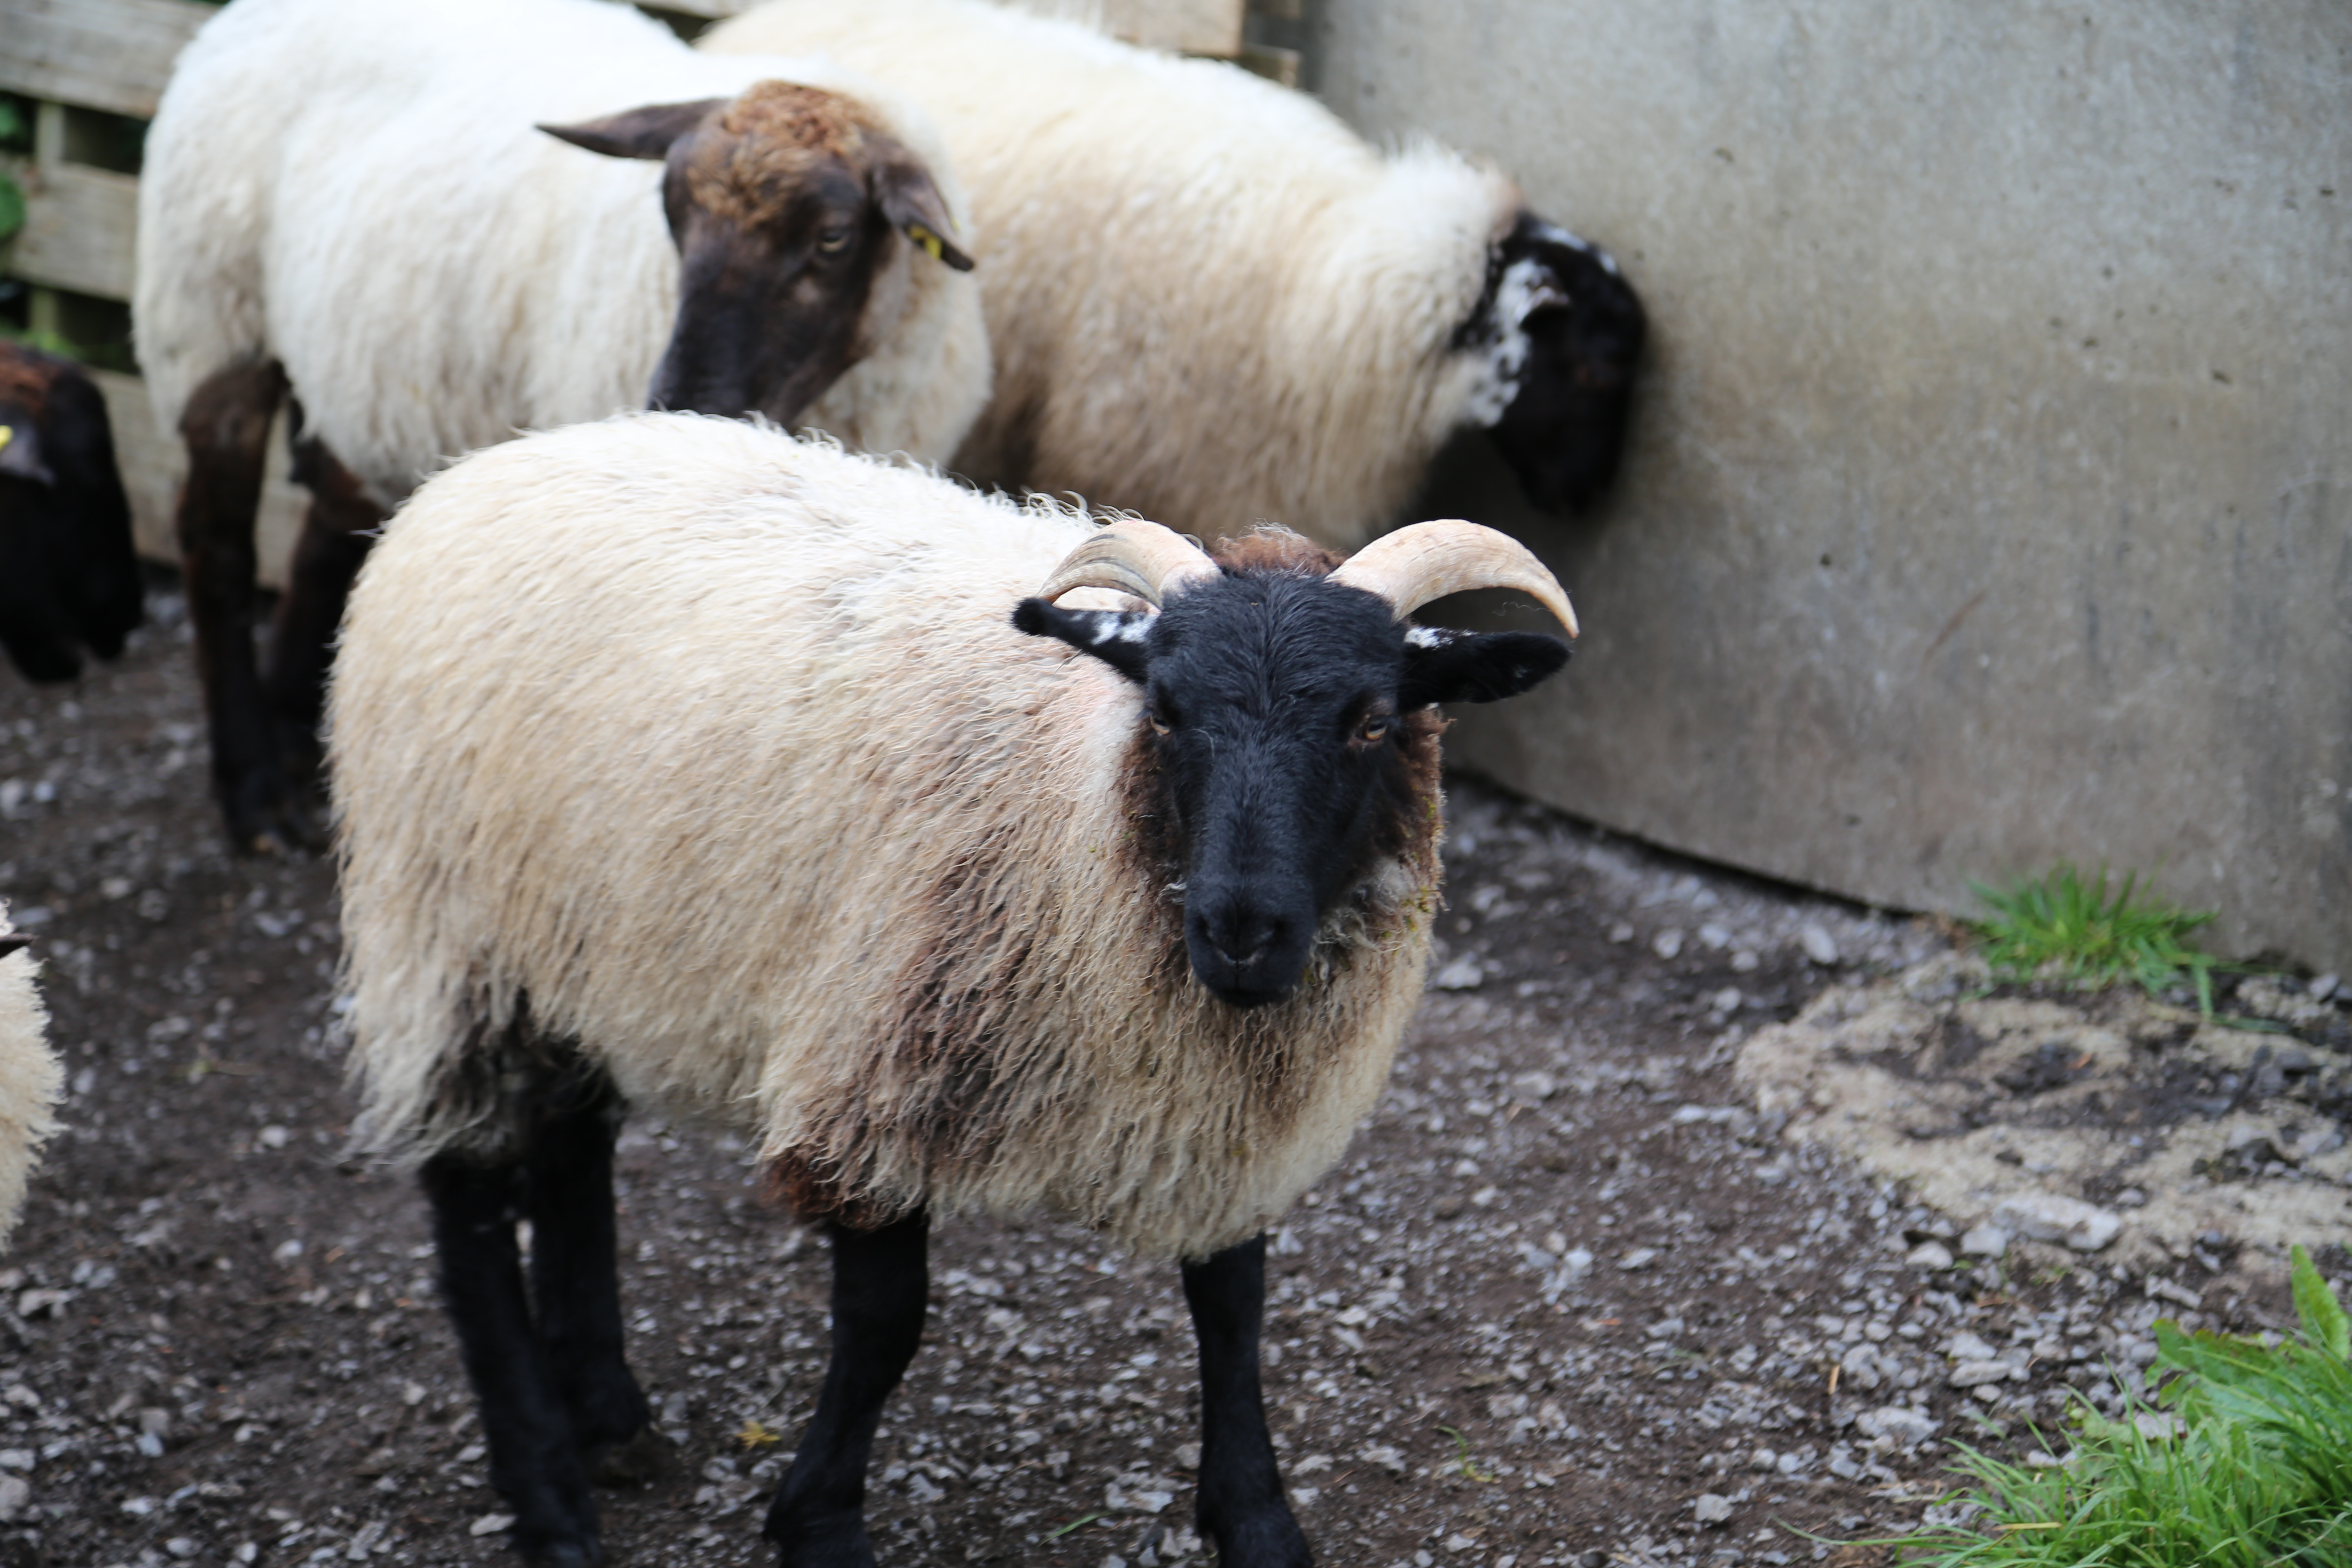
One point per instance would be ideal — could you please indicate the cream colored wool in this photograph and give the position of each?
(355, 187)
(29, 1080)
(721, 748)
(1210, 301)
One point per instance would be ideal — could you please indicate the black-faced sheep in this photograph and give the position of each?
(29, 1077)
(350, 200)
(678, 764)
(69, 576)
(1210, 301)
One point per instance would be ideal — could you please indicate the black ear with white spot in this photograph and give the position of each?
(1115, 636)
(1445, 666)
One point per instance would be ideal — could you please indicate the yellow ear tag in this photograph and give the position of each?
(7, 433)
(928, 240)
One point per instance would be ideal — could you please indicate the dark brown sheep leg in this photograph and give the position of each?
(1240, 1504)
(881, 1288)
(337, 532)
(226, 428)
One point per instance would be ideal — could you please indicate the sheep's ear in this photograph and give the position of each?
(1118, 638)
(1445, 666)
(644, 132)
(903, 189)
(20, 453)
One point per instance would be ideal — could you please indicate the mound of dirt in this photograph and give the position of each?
(2109, 1123)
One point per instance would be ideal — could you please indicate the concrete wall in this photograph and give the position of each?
(1990, 499)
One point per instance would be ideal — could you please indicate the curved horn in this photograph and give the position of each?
(1430, 560)
(1139, 558)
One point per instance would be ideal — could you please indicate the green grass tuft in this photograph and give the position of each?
(2260, 1475)
(2065, 925)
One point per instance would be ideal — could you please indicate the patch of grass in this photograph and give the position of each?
(2079, 928)
(2257, 1475)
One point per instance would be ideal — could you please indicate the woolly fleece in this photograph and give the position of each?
(30, 1079)
(720, 747)
(1210, 301)
(355, 187)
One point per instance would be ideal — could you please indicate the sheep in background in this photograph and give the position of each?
(1210, 301)
(351, 200)
(678, 764)
(30, 1080)
(69, 574)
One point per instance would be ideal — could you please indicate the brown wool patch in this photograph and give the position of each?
(747, 164)
(1272, 549)
(815, 1193)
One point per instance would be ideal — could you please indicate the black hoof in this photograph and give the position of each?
(828, 1540)
(640, 1461)
(564, 1554)
(1269, 1538)
(270, 815)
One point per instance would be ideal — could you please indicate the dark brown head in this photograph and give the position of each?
(69, 578)
(785, 203)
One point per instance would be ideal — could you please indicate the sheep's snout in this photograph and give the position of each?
(1247, 945)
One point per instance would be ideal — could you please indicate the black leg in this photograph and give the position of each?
(881, 1288)
(533, 1463)
(1240, 1506)
(574, 1270)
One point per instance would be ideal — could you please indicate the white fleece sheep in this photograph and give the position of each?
(716, 751)
(1209, 300)
(29, 1079)
(355, 188)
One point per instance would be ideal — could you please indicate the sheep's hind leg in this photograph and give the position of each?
(1240, 1504)
(881, 1288)
(575, 1279)
(336, 534)
(226, 429)
(535, 1464)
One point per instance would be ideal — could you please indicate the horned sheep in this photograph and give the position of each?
(356, 201)
(678, 764)
(29, 1077)
(1211, 300)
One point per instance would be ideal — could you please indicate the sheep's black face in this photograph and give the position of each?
(1563, 329)
(1273, 700)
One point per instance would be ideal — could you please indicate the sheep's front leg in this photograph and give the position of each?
(533, 1464)
(1240, 1506)
(881, 1288)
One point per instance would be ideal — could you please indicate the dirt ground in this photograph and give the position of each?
(1567, 1301)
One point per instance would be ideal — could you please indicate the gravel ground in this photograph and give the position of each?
(1566, 1301)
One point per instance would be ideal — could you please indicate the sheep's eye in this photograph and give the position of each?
(831, 240)
(1157, 721)
(1373, 728)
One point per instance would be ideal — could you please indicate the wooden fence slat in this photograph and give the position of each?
(151, 466)
(79, 225)
(114, 55)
